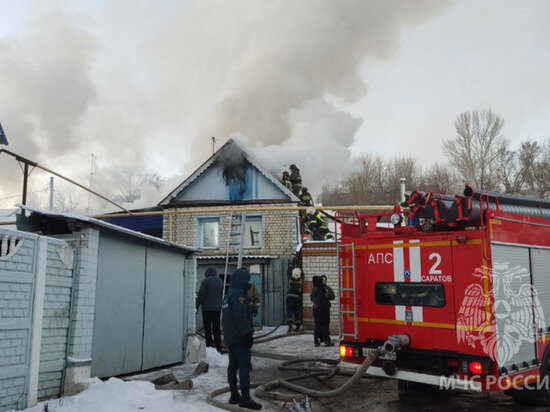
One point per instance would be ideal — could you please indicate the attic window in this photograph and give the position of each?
(209, 233)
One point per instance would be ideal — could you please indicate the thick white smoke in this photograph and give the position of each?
(150, 87)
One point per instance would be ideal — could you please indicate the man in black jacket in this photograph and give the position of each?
(210, 298)
(321, 313)
(237, 333)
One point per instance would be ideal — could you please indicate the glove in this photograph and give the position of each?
(249, 340)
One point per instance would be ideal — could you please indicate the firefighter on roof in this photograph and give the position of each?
(296, 180)
(305, 198)
(286, 181)
(316, 225)
(237, 334)
(294, 300)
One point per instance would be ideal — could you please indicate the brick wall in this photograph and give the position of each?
(16, 291)
(63, 306)
(279, 234)
(318, 259)
(83, 306)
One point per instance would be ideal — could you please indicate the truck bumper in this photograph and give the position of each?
(443, 382)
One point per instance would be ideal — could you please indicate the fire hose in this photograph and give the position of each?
(393, 344)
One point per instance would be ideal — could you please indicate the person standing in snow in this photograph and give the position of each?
(294, 300)
(210, 298)
(237, 333)
(321, 313)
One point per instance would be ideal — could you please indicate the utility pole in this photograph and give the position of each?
(402, 189)
(213, 144)
(93, 157)
(51, 192)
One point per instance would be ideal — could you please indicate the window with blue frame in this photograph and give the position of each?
(208, 234)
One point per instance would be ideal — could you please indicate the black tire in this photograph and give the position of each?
(539, 397)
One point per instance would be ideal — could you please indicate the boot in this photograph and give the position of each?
(290, 328)
(235, 397)
(247, 401)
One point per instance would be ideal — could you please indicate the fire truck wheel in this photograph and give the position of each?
(410, 391)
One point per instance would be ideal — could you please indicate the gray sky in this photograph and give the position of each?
(144, 83)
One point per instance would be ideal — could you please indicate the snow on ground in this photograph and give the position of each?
(298, 345)
(136, 393)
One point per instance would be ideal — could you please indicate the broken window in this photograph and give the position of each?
(253, 226)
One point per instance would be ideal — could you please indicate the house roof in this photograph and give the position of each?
(210, 161)
(100, 224)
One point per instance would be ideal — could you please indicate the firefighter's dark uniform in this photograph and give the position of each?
(294, 301)
(237, 334)
(305, 199)
(296, 180)
(317, 226)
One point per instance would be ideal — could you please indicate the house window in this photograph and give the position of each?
(253, 237)
(209, 233)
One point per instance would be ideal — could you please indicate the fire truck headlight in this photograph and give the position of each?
(342, 351)
(396, 219)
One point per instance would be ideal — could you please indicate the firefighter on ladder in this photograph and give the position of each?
(316, 225)
(286, 181)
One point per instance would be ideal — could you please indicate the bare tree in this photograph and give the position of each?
(440, 178)
(476, 151)
(129, 182)
(67, 197)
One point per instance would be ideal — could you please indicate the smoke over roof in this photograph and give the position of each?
(150, 87)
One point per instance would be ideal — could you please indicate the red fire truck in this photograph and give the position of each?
(466, 278)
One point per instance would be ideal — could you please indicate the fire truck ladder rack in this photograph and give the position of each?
(343, 270)
(234, 238)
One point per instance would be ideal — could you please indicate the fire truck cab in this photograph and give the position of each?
(467, 279)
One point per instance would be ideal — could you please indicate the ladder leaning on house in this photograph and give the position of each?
(348, 304)
(234, 238)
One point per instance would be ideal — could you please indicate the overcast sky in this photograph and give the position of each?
(148, 83)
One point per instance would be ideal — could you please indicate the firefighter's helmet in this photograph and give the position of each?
(296, 273)
(310, 210)
(293, 167)
(304, 189)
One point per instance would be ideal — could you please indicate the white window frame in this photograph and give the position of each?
(200, 232)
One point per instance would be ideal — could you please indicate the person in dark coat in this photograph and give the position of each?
(210, 298)
(296, 180)
(321, 313)
(237, 333)
(294, 300)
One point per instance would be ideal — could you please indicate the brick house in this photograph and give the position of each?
(231, 177)
(318, 259)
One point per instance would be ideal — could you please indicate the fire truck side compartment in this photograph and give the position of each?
(513, 306)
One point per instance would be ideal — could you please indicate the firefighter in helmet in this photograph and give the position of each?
(294, 300)
(295, 179)
(305, 198)
(286, 180)
(316, 225)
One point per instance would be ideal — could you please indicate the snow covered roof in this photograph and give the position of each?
(109, 226)
(230, 144)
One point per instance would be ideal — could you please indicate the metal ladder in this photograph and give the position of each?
(344, 269)
(231, 241)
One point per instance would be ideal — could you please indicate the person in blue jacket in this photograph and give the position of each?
(237, 333)
(210, 298)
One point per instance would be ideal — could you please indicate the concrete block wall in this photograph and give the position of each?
(83, 305)
(318, 259)
(57, 302)
(16, 293)
(280, 235)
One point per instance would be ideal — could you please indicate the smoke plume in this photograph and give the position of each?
(150, 87)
